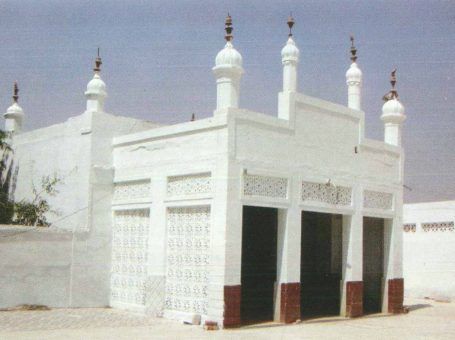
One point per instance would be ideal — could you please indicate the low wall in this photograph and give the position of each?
(35, 266)
(52, 267)
(429, 250)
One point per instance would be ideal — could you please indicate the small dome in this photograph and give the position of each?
(393, 110)
(96, 86)
(290, 52)
(228, 56)
(354, 73)
(14, 109)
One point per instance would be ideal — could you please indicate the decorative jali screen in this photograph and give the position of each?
(129, 257)
(188, 246)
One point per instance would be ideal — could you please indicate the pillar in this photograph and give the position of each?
(352, 270)
(287, 298)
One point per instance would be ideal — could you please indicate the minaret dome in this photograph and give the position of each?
(96, 88)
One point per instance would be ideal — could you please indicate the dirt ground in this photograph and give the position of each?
(426, 320)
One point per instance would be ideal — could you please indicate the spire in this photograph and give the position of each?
(14, 114)
(228, 71)
(393, 114)
(228, 28)
(15, 92)
(98, 62)
(290, 24)
(393, 93)
(96, 88)
(353, 50)
(289, 59)
(393, 81)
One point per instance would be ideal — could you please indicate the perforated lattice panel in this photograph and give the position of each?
(129, 256)
(188, 246)
(438, 226)
(128, 191)
(377, 200)
(189, 185)
(330, 194)
(265, 186)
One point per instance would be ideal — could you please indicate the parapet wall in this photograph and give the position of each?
(44, 266)
(429, 250)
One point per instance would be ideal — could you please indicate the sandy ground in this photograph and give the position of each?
(426, 320)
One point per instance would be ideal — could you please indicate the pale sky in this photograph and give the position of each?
(158, 55)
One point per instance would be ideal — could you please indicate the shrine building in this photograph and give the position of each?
(237, 218)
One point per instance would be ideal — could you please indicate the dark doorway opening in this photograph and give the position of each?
(373, 264)
(321, 261)
(259, 263)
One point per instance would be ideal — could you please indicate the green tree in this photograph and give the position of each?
(34, 212)
(6, 177)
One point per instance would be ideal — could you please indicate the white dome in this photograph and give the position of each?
(14, 109)
(228, 56)
(393, 107)
(354, 73)
(96, 86)
(290, 52)
(393, 111)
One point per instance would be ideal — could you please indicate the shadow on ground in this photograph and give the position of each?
(418, 306)
(318, 320)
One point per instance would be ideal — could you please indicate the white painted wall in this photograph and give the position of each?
(319, 141)
(70, 150)
(429, 256)
(80, 151)
(35, 266)
(183, 149)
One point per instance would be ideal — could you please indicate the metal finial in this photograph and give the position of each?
(353, 50)
(228, 28)
(393, 81)
(393, 93)
(193, 117)
(290, 24)
(15, 92)
(98, 62)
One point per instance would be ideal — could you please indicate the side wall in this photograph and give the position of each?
(35, 266)
(178, 174)
(429, 250)
(74, 255)
(319, 161)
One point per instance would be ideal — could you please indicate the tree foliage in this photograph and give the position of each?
(27, 212)
(34, 212)
(6, 176)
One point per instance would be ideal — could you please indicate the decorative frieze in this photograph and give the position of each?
(129, 256)
(326, 193)
(188, 247)
(189, 184)
(130, 191)
(265, 186)
(409, 227)
(438, 226)
(377, 200)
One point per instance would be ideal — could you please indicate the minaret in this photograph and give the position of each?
(354, 80)
(96, 89)
(14, 114)
(228, 71)
(392, 114)
(290, 58)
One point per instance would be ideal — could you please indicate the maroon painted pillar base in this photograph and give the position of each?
(354, 299)
(396, 294)
(290, 302)
(232, 295)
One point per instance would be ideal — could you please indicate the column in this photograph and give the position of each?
(352, 271)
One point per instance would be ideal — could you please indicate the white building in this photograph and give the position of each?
(235, 218)
(429, 250)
